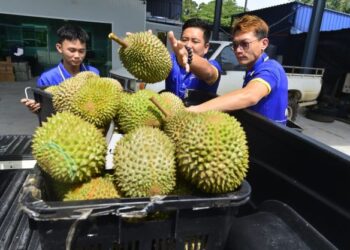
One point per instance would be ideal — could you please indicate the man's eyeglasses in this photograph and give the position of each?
(244, 45)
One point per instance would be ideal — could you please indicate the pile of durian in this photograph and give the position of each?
(164, 150)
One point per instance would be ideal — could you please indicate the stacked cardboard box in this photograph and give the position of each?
(6, 71)
(22, 71)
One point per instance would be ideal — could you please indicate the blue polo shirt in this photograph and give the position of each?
(179, 80)
(270, 73)
(58, 74)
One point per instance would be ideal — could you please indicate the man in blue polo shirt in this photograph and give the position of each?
(265, 86)
(72, 46)
(190, 69)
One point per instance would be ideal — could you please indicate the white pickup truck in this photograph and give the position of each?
(303, 88)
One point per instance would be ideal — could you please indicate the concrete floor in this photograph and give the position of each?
(15, 119)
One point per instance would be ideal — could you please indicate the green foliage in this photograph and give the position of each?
(207, 11)
(338, 5)
(189, 9)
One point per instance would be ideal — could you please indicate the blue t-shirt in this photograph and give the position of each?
(272, 74)
(179, 80)
(58, 74)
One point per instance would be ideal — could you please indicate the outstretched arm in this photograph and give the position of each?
(238, 99)
(198, 66)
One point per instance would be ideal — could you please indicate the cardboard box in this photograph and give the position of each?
(7, 77)
(6, 67)
(21, 67)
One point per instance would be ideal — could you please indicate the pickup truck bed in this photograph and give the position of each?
(14, 224)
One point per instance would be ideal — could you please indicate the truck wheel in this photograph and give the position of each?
(292, 108)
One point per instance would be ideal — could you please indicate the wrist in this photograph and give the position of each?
(189, 55)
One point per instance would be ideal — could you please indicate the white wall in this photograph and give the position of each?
(124, 15)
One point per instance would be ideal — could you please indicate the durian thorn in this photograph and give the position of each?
(159, 106)
(121, 42)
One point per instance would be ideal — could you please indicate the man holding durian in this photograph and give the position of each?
(265, 86)
(190, 69)
(71, 45)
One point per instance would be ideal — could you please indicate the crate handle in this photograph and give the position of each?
(157, 199)
(26, 91)
(85, 213)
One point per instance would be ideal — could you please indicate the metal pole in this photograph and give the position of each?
(217, 17)
(313, 33)
(245, 5)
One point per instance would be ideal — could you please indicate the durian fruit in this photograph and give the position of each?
(183, 187)
(174, 118)
(96, 188)
(172, 103)
(65, 93)
(174, 125)
(84, 75)
(114, 81)
(52, 89)
(69, 149)
(59, 189)
(96, 101)
(144, 56)
(137, 110)
(212, 152)
(144, 161)
(68, 88)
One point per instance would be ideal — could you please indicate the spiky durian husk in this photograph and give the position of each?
(172, 103)
(68, 148)
(52, 89)
(114, 81)
(144, 163)
(59, 189)
(137, 110)
(146, 57)
(65, 93)
(84, 75)
(68, 88)
(183, 187)
(212, 152)
(96, 101)
(174, 125)
(96, 188)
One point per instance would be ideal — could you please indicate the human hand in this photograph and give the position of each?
(179, 50)
(31, 104)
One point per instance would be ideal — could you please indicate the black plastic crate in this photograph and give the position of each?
(168, 222)
(46, 105)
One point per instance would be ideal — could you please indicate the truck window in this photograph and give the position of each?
(228, 60)
(212, 48)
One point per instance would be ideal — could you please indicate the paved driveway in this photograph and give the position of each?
(15, 118)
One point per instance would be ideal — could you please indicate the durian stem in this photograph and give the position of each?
(113, 37)
(164, 111)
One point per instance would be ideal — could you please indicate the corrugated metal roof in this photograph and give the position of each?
(299, 17)
(331, 20)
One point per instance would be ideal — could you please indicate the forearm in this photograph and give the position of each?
(205, 71)
(231, 101)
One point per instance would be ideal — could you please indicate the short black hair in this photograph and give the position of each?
(198, 23)
(72, 32)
